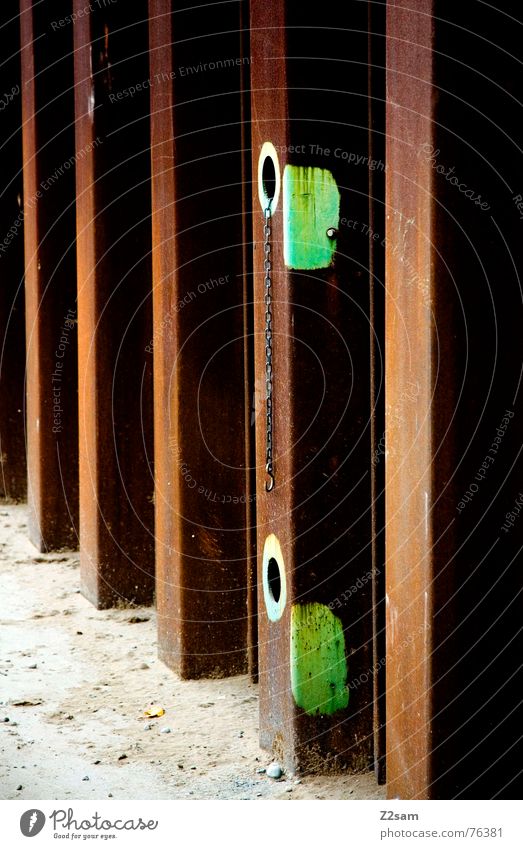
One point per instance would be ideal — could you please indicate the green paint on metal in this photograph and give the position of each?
(311, 205)
(318, 663)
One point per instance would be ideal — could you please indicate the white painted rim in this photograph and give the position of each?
(272, 549)
(268, 151)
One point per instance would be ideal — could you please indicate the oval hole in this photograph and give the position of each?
(274, 579)
(269, 179)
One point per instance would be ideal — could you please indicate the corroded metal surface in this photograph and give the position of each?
(248, 350)
(453, 364)
(50, 274)
(315, 624)
(409, 538)
(200, 446)
(114, 300)
(13, 470)
(377, 97)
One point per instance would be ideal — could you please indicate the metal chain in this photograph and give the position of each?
(267, 265)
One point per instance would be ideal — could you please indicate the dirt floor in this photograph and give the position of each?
(74, 684)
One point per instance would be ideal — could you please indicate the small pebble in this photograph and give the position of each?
(165, 730)
(274, 770)
(261, 770)
(85, 778)
(80, 633)
(19, 787)
(110, 795)
(288, 789)
(6, 719)
(298, 781)
(144, 666)
(147, 726)
(180, 766)
(122, 757)
(97, 762)
(33, 666)
(240, 733)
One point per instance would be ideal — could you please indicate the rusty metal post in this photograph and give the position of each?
(453, 367)
(13, 467)
(248, 349)
(114, 301)
(50, 273)
(198, 340)
(311, 169)
(377, 97)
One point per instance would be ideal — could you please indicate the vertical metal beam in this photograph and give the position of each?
(310, 101)
(453, 364)
(50, 274)
(409, 539)
(200, 454)
(377, 96)
(114, 300)
(13, 467)
(251, 399)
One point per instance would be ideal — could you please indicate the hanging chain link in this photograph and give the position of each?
(267, 265)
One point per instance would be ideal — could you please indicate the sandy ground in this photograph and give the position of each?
(74, 683)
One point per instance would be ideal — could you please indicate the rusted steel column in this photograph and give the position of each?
(377, 42)
(50, 273)
(13, 470)
(314, 527)
(198, 340)
(252, 398)
(453, 366)
(114, 301)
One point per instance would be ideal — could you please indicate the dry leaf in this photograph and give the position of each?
(154, 710)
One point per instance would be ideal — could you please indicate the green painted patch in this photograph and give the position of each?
(318, 663)
(311, 205)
